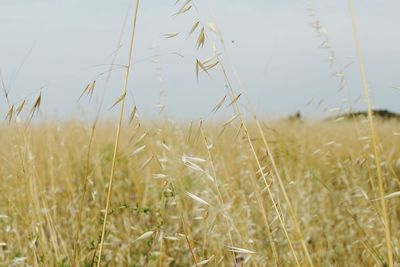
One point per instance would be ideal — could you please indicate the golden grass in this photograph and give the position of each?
(117, 137)
(373, 136)
(236, 193)
(325, 167)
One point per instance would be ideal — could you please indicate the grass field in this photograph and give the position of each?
(242, 191)
(180, 190)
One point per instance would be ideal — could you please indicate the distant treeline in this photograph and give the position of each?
(378, 113)
(383, 114)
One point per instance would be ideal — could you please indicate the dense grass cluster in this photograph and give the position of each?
(183, 195)
(243, 192)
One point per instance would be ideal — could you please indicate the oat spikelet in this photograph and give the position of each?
(204, 262)
(234, 117)
(201, 39)
(144, 236)
(20, 108)
(137, 151)
(36, 106)
(122, 97)
(214, 28)
(198, 199)
(133, 114)
(212, 65)
(235, 99)
(84, 91)
(170, 34)
(240, 250)
(395, 194)
(185, 8)
(89, 89)
(194, 27)
(147, 162)
(219, 105)
(10, 114)
(199, 66)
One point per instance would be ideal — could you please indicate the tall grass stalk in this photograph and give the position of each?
(117, 137)
(82, 199)
(270, 155)
(90, 145)
(220, 198)
(250, 142)
(373, 134)
(274, 167)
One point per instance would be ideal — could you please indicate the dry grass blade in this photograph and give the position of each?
(84, 91)
(198, 199)
(185, 8)
(201, 39)
(199, 66)
(36, 105)
(235, 99)
(133, 114)
(204, 262)
(119, 100)
(213, 59)
(135, 132)
(144, 236)
(10, 114)
(160, 176)
(211, 65)
(219, 105)
(234, 117)
(170, 34)
(214, 28)
(193, 166)
(4, 88)
(389, 196)
(147, 162)
(190, 163)
(137, 151)
(240, 250)
(395, 194)
(140, 139)
(186, 158)
(89, 89)
(20, 108)
(194, 27)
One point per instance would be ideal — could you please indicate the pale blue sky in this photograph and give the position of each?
(59, 45)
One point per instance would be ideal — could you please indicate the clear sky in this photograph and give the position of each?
(60, 46)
